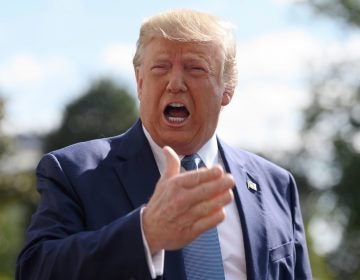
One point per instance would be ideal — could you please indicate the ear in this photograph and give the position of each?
(139, 81)
(227, 95)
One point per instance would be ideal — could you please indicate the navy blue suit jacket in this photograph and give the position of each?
(87, 225)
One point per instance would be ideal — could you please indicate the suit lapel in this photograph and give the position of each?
(136, 167)
(251, 211)
(138, 173)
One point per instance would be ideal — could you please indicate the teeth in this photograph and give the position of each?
(176, 112)
(177, 105)
(176, 119)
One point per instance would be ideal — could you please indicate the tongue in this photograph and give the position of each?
(177, 112)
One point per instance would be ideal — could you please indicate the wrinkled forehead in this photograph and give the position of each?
(165, 48)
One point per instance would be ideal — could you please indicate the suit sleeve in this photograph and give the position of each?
(302, 265)
(58, 245)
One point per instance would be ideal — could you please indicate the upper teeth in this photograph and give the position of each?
(176, 105)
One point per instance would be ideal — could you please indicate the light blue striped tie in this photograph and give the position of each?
(202, 257)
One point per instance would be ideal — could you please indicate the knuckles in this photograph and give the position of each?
(182, 212)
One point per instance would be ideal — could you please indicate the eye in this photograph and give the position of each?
(196, 69)
(159, 68)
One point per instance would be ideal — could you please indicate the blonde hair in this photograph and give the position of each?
(191, 26)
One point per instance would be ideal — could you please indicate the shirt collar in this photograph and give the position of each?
(208, 152)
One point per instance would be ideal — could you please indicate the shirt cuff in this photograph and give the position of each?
(155, 262)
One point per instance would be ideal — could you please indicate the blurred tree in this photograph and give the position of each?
(328, 162)
(17, 201)
(347, 11)
(330, 158)
(104, 110)
(3, 138)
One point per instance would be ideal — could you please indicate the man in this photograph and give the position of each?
(124, 208)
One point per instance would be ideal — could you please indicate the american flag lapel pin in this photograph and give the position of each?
(251, 185)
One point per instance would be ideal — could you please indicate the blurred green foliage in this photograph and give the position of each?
(18, 200)
(346, 11)
(330, 160)
(3, 139)
(105, 109)
(327, 164)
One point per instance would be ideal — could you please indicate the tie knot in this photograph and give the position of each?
(192, 162)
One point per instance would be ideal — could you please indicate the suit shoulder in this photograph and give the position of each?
(87, 153)
(91, 148)
(253, 162)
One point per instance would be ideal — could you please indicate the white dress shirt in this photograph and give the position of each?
(230, 232)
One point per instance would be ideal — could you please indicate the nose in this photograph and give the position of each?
(176, 82)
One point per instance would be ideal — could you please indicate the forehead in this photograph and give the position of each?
(164, 48)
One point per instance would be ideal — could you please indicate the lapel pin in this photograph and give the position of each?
(251, 185)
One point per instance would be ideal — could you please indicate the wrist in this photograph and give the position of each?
(148, 225)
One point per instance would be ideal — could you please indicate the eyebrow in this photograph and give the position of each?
(189, 57)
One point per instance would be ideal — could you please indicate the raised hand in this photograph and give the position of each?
(184, 205)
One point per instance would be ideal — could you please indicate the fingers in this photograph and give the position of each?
(208, 207)
(211, 188)
(208, 190)
(194, 178)
(185, 205)
(188, 179)
(204, 207)
(172, 166)
(198, 187)
(207, 222)
(203, 200)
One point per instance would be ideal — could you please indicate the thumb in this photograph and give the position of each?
(172, 166)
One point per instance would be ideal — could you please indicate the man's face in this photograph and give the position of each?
(181, 92)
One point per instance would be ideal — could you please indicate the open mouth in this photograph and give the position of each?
(176, 113)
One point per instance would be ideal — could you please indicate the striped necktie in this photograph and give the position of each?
(202, 257)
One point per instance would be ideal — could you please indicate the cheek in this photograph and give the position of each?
(142, 90)
(149, 99)
(146, 111)
(139, 83)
